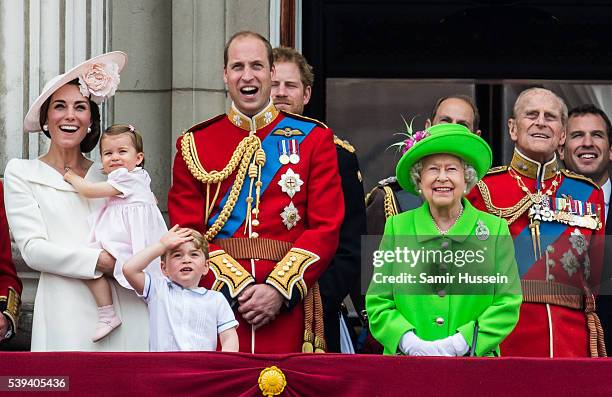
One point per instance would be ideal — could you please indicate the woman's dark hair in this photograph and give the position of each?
(91, 139)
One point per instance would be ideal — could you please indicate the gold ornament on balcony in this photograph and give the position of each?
(272, 381)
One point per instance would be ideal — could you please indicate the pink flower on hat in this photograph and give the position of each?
(414, 138)
(99, 81)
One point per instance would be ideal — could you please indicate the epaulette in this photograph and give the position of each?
(573, 175)
(497, 170)
(344, 144)
(204, 123)
(304, 118)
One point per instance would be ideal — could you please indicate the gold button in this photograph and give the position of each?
(254, 235)
(293, 258)
(233, 269)
(255, 211)
(238, 273)
(281, 273)
(289, 263)
(286, 268)
(255, 222)
(225, 260)
(229, 265)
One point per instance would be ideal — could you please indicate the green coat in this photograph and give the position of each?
(437, 310)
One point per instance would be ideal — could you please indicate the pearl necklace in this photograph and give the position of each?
(451, 226)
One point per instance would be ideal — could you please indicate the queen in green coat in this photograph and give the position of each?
(445, 281)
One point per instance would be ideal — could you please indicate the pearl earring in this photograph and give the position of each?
(45, 127)
(88, 130)
(419, 191)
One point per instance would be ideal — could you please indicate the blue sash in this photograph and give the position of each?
(272, 165)
(549, 231)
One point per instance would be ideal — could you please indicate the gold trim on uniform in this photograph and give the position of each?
(389, 202)
(304, 118)
(260, 120)
(573, 175)
(249, 148)
(390, 206)
(289, 272)
(344, 144)
(229, 272)
(497, 170)
(11, 306)
(509, 213)
(532, 169)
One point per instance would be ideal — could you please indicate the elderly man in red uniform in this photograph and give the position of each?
(263, 187)
(555, 218)
(10, 285)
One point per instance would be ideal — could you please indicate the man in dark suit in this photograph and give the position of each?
(587, 151)
(291, 90)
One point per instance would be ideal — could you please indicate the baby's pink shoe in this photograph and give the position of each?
(107, 322)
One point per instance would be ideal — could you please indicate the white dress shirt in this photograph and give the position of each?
(607, 187)
(184, 319)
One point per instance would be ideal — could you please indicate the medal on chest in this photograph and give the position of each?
(290, 183)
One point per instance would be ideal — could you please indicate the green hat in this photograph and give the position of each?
(452, 139)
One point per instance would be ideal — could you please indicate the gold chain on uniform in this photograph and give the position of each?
(511, 214)
(389, 202)
(240, 159)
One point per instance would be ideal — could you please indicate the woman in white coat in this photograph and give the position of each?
(48, 218)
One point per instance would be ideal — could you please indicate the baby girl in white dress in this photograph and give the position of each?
(128, 222)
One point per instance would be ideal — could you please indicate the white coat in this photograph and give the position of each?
(48, 220)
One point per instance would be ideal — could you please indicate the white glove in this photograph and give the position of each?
(412, 345)
(454, 345)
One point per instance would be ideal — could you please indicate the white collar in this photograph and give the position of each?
(607, 188)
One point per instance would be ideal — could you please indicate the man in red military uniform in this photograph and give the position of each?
(10, 285)
(555, 218)
(263, 187)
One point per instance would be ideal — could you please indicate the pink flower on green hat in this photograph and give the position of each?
(414, 138)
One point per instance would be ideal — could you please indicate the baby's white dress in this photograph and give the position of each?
(128, 222)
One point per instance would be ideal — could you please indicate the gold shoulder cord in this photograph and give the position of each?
(248, 149)
(509, 213)
(389, 202)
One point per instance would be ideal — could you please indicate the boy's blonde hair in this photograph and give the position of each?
(199, 242)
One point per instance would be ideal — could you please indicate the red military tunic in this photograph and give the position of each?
(10, 285)
(286, 242)
(557, 298)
